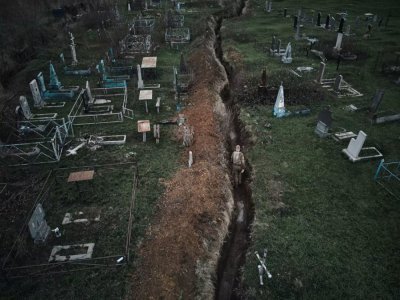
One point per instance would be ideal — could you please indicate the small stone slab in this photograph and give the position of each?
(80, 176)
(145, 95)
(149, 62)
(86, 255)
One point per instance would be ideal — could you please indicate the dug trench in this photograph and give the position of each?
(233, 254)
(202, 223)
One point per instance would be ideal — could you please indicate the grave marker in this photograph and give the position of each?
(337, 84)
(54, 83)
(319, 19)
(287, 57)
(328, 17)
(339, 39)
(143, 127)
(38, 227)
(37, 97)
(279, 107)
(341, 25)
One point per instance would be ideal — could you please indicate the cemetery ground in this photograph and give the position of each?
(330, 230)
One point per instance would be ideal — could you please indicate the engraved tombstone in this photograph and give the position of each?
(38, 227)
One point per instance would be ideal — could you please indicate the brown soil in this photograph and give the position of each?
(191, 221)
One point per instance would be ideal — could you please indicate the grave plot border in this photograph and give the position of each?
(346, 90)
(49, 268)
(47, 148)
(143, 26)
(77, 119)
(139, 43)
(179, 35)
(388, 172)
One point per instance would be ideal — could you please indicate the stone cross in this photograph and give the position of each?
(54, 83)
(73, 51)
(338, 83)
(38, 226)
(321, 72)
(25, 107)
(37, 97)
(140, 84)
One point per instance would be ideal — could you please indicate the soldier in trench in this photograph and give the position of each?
(238, 165)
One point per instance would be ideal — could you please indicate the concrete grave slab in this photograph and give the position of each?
(54, 256)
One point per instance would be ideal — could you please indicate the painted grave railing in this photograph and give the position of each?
(45, 146)
(77, 117)
(388, 176)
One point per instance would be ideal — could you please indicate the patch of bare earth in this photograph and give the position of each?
(179, 254)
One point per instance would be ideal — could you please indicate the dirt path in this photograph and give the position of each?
(180, 253)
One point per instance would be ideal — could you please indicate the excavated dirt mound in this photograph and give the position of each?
(179, 254)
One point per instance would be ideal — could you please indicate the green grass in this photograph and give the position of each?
(324, 221)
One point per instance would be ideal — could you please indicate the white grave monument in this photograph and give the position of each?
(37, 97)
(339, 39)
(38, 226)
(287, 57)
(140, 84)
(279, 107)
(73, 51)
(356, 146)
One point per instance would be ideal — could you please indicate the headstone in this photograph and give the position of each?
(279, 107)
(338, 45)
(328, 17)
(183, 68)
(269, 6)
(322, 130)
(37, 97)
(355, 145)
(347, 32)
(338, 83)
(73, 51)
(54, 83)
(38, 227)
(129, 7)
(140, 84)
(62, 58)
(325, 116)
(284, 12)
(341, 25)
(319, 19)
(332, 23)
(287, 57)
(190, 161)
(297, 35)
(376, 101)
(89, 92)
(321, 72)
(295, 19)
(156, 132)
(273, 43)
(41, 84)
(25, 107)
